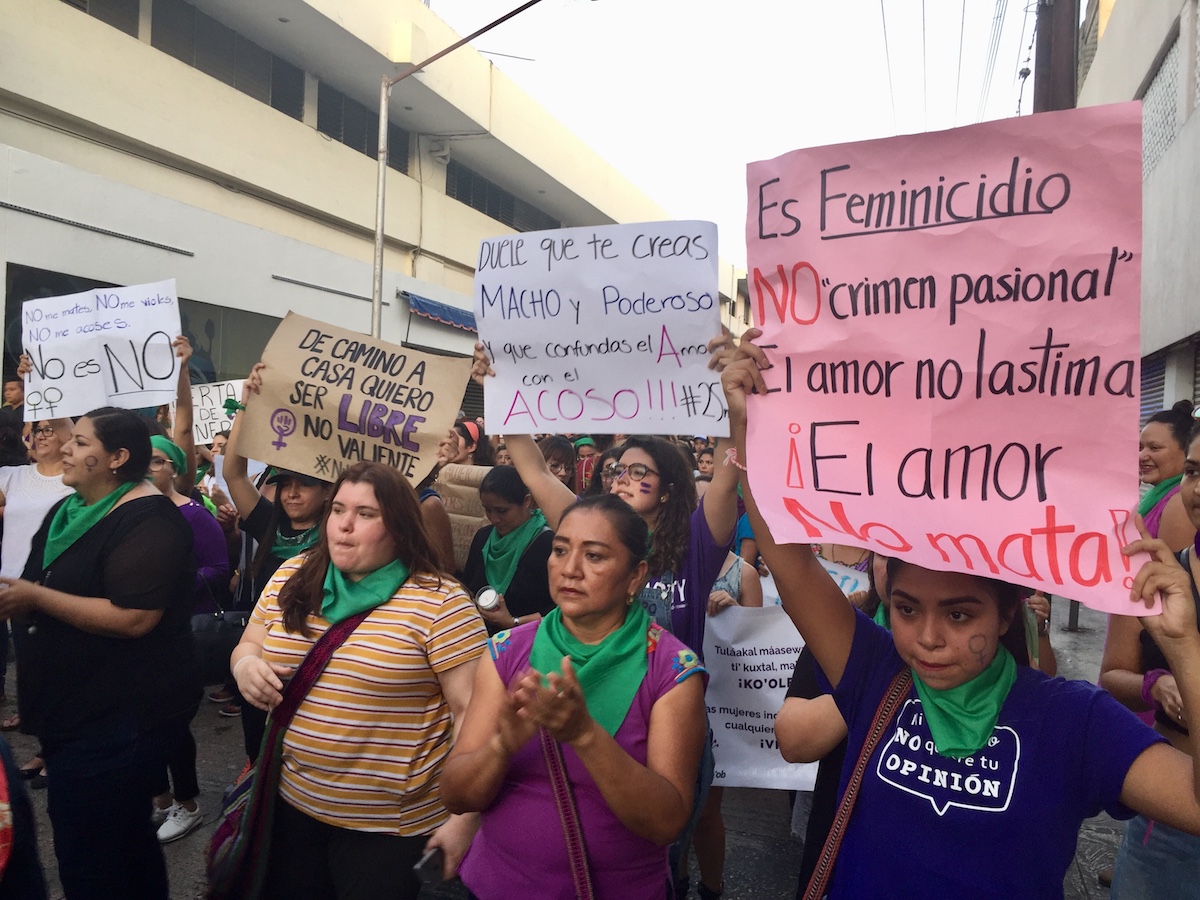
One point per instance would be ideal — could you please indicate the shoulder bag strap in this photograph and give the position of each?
(897, 690)
(314, 663)
(568, 815)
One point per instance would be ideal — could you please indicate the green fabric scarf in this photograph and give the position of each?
(501, 554)
(881, 616)
(962, 718)
(74, 518)
(285, 547)
(345, 598)
(609, 673)
(1156, 493)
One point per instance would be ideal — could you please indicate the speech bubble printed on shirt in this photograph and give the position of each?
(983, 781)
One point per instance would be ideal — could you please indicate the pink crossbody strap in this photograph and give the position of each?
(897, 691)
(568, 815)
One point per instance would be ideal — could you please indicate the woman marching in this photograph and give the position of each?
(990, 767)
(597, 695)
(108, 655)
(358, 798)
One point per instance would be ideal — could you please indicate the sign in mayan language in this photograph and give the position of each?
(332, 397)
(209, 417)
(750, 655)
(952, 322)
(602, 330)
(104, 347)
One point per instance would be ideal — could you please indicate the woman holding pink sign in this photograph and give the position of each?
(991, 767)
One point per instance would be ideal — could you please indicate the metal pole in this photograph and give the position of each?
(385, 90)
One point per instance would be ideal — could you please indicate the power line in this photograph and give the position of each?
(962, 24)
(887, 55)
(1023, 72)
(924, 67)
(989, 66)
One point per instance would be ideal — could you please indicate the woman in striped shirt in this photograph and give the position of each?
(358, 799)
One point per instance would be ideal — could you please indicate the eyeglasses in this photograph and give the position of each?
(559, 468)
(44, 431)
(637, 471)
(157, 463)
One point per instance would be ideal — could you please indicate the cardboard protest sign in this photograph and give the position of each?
(458, 486)
(332, 397)
(750, 654)
(602, 330)
(209, 417)
(105, 347)
(952, 320)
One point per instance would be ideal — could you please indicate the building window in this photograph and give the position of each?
(195, 38)
(492, 200)
(120, 14)
(1159, 104)
(348, 121)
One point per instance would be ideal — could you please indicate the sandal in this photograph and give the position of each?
(33, 768)
(10, 723)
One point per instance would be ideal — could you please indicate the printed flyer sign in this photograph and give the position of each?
(602, 330)
(332, 397)
(104, 347)
(750, 654)
(952, 320)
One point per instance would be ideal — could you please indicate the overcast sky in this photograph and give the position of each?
(680, 94)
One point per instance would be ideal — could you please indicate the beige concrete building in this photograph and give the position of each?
(231, 145)
(1149, 50)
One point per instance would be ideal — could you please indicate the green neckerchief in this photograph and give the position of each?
(285, 547)
(609, 672)
(203, 469)
(881, 616)
(962, 718)
(208, 504)
(345, 598)
(74, 518)
(1156, 493)
(501, 554)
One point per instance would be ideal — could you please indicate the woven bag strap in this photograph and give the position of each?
(568, 815)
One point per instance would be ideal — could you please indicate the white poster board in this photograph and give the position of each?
(104, 347)
(602, 330)
(208, 409)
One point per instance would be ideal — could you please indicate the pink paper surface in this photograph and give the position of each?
(866, 264)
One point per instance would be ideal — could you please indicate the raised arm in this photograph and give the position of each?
(551, 495)
(182, 429)
(810, 597)
(809, 730)
(242, 491)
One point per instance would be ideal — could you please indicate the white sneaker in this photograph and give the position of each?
(158, 814)
(179, 823)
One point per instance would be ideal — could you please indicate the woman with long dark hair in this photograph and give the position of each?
(107, 663)
(358, 798)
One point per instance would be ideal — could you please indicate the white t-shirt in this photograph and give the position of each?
(28, 497)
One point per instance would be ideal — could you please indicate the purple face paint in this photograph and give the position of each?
(645, 487)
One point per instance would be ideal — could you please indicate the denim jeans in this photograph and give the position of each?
(98, 796)
(1156, 862)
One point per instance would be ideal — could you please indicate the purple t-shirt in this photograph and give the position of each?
(678, 601)
(520, 851)
(212, 558)
(1001, 823)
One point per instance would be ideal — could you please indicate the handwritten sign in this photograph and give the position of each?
(602, 330)
(332, 397)
(208, 408)
(953, 326)
(750, 654)
(105, 347)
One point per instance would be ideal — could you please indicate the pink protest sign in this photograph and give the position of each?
(953, 324)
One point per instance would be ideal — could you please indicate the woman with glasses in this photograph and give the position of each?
(178, 815)
(604, 474)
(560, 457)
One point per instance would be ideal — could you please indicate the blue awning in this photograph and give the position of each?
(441, 312)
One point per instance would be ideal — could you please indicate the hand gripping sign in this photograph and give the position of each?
(953, 323)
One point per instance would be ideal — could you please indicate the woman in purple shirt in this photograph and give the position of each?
(600, 683)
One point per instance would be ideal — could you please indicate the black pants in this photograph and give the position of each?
(179, 747)
(311, 860)
(98, 797)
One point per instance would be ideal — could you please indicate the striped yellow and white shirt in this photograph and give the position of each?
(368, 743)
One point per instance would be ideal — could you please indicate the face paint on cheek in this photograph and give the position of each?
(90, 463)
(976, 645)
(644, 487)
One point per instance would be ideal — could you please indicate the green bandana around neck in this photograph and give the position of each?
(501, 554)
(881, 616)
(961, 719)
(74, 518)
(609, 673)
(344, 598)
(285, 547)
(1156, 493)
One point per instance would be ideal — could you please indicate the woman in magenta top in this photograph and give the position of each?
(615, 691)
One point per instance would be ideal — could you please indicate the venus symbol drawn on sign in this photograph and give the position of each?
(283, 423)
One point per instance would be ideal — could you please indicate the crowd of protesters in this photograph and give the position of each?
(526, 710)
